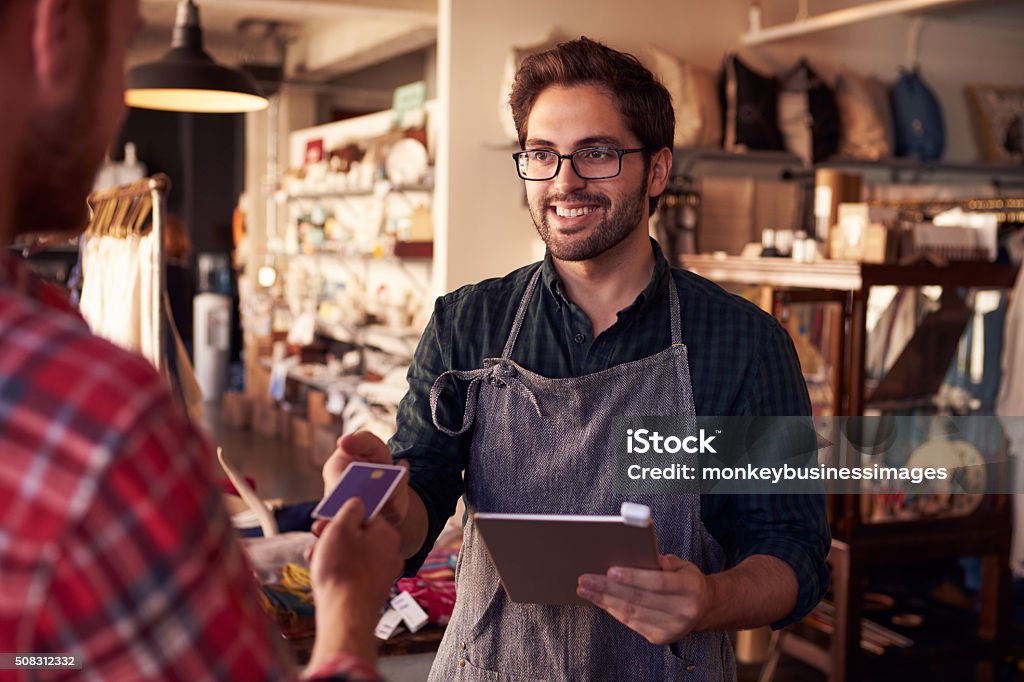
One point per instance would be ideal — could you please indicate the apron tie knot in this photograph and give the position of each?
(496, 373)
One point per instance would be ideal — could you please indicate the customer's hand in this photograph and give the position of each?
(364, 446)
(352, 571)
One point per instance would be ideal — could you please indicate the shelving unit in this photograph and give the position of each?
(780, 165)
(859, 547)
(842, 17)
(344, 193)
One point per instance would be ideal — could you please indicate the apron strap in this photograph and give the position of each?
(521, 314)
(497, 373)
(517, 324)
(677, 324)
(469, 414)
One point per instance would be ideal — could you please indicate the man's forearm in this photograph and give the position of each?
(760, 590)
(414, 528)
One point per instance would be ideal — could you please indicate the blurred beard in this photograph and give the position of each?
(57, 164)
(614, 227)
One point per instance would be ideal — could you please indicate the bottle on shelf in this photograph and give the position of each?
(768, 248)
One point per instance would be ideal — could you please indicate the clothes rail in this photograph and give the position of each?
(137, 209)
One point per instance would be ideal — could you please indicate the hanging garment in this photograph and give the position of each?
(541, 445)
(121, 278)
(1011, 404)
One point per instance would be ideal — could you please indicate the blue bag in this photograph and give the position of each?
(917, 118)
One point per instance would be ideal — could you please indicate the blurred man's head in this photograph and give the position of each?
(74, 105)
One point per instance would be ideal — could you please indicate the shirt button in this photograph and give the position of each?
(690, 668)
(462, 645)
(579, 338)
(462, 663)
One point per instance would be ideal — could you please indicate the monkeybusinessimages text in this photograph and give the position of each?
(645, 442)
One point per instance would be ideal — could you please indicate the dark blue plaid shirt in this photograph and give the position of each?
(742, 362)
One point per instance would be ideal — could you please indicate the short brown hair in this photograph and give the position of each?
(643, 102)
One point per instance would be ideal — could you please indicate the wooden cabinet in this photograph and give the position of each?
(859, 547)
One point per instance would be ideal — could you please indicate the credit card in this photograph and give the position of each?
(372, 483)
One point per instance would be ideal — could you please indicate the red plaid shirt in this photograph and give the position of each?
(114, 544)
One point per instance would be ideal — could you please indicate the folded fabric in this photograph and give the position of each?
(290, 602)
(694, 99)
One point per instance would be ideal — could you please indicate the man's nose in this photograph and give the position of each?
(567, 179)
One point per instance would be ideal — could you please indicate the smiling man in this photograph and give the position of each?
(517, 380)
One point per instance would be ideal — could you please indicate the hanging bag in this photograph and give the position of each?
(917, 118)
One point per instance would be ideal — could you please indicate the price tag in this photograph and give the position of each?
(414, 616)
(387, 624)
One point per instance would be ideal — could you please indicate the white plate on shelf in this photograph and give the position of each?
(406, 162)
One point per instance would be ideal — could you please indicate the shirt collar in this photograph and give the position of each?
(549, 275)
(15, 275)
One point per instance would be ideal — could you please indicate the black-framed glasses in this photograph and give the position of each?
(590, 163)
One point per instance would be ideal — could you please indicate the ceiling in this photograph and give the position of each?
(221, 16)
(328, 37)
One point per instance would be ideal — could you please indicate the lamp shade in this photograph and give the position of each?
(188, 79)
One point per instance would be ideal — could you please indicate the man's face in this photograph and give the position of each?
(67, 139)
(581, 219)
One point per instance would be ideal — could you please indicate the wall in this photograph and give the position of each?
(482, 198)
(372, 89)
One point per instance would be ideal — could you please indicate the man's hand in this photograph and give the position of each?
(352, 571)
(664, 606)
(363, 446)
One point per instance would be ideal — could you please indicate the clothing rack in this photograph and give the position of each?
(138, 209)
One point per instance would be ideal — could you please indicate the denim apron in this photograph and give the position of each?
(542, 446)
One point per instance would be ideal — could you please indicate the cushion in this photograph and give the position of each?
(808, 114)
(997, 113)
(750, 104)
(694, 98)
(513, 60)
(864, 116)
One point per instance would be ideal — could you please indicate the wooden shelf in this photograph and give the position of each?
(846, 275)
(398, 343)
(787, 166)
(841, 17)
(346, 193)
(404, 251)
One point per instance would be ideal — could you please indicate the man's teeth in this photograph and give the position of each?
(573, 212)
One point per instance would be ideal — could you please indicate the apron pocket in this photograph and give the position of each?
(478, 673)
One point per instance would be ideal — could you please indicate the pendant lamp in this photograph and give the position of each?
(188, 79)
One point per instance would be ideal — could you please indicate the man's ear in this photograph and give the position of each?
(658, 173)
(58, 41)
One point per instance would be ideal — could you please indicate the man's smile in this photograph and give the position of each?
(573, 211)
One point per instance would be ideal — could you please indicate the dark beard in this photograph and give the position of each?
(608, 233)
(57, 163)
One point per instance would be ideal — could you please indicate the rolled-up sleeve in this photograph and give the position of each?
(436, 460)
(791, 527)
